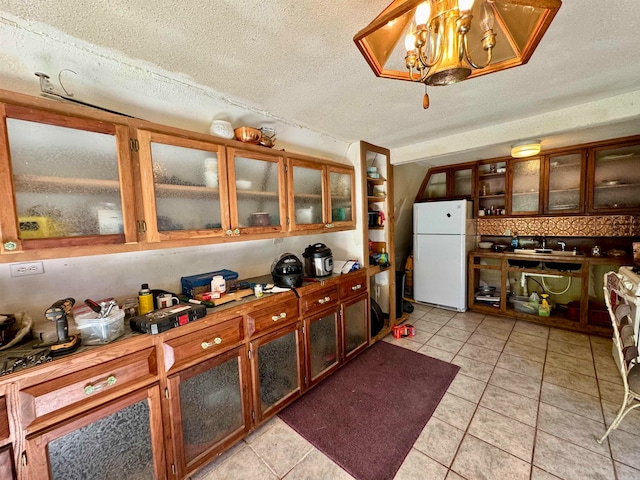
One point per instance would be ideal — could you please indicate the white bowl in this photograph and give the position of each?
(485, 245)
(243, 184)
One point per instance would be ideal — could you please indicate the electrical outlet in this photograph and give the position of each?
(23, 269)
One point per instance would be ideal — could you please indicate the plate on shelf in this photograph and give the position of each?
(566, 206)
(618, 156)
(611, 183)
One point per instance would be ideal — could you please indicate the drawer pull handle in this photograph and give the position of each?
(356, 287)
(275, 318)
(229, 233)
(236, 231)
(216, 341)
(324, 300)
(96, 387)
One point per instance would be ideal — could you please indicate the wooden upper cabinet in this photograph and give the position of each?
(257, 192)
(564, 189)
(449, 183)
(614, 177)
(64, 181)
(320, 195)
(525, 180)
(183, 187)
(492, 187)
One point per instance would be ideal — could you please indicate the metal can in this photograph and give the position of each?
(257, 290)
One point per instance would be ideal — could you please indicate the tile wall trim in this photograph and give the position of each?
(570, 226)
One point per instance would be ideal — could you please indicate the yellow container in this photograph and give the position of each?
(39, 227)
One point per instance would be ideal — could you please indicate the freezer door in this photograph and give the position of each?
(441, 217)
(440, 270)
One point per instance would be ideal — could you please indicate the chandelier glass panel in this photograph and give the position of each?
(440, 42)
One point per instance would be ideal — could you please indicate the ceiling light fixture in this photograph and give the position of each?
(440, 42)
(525, 149)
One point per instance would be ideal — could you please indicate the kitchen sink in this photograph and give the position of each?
(545, 251)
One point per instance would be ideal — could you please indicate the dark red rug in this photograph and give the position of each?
(368, 414)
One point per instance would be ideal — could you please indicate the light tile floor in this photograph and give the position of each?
(528, 403)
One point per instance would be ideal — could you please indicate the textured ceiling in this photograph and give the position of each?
(297, 61)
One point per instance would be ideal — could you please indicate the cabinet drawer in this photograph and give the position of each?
(319, 300)
(271, 317)
(189, 349)
(83, 389)
(353, 285)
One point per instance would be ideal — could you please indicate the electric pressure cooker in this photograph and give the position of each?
(318, 261)
(286, 271)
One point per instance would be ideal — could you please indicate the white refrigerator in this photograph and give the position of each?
(443, 235)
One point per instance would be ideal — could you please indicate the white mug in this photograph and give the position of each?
(167, 300)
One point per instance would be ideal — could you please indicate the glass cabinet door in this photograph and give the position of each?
(113, 441)
(256, 192)
(356, 327)
(67, 181)
(525, 186)
(323, 345)
(208, 399)
(565, 183)
(615, 178)
(276, 370)
(342, 197)
(436, 186)
(183, 187)
(306, 195)
(462, 179)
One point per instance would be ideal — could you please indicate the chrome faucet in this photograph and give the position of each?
(563, 245)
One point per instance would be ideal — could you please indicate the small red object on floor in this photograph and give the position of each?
(400, 331)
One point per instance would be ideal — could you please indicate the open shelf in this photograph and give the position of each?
(42, 184)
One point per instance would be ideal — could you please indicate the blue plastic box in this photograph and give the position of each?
(201, 283)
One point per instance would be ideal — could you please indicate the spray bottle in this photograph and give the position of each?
(544, 310)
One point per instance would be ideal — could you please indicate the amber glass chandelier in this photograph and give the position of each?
(440, 42)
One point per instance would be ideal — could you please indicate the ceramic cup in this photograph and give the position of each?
(167, 300)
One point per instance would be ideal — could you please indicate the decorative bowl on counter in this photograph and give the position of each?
(248, 134)
(485, 245)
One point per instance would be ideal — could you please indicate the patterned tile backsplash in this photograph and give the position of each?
(574, 226)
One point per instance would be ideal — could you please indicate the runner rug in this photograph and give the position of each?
(368, 414)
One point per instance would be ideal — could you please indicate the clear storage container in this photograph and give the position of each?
(98, 331)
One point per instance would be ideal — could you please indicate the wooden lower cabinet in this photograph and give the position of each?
(208, 408)
(7, 470)
(276, 370)
(163, 406)
(355, 326)
(323, 344)
(121, 439)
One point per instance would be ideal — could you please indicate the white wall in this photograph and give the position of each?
(407, 179)
(107, 79)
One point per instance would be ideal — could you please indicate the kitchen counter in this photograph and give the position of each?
(27, 354)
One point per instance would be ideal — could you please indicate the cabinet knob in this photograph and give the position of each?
(229, 233)
(236, 231)
(102, 384)
(275, 318)
(216, 341)
(356, 287)
(328, 225)
(324, 300)
(10, 246)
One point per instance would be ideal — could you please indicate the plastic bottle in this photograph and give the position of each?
(544, 310)
(514, 241)
(145, 300)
